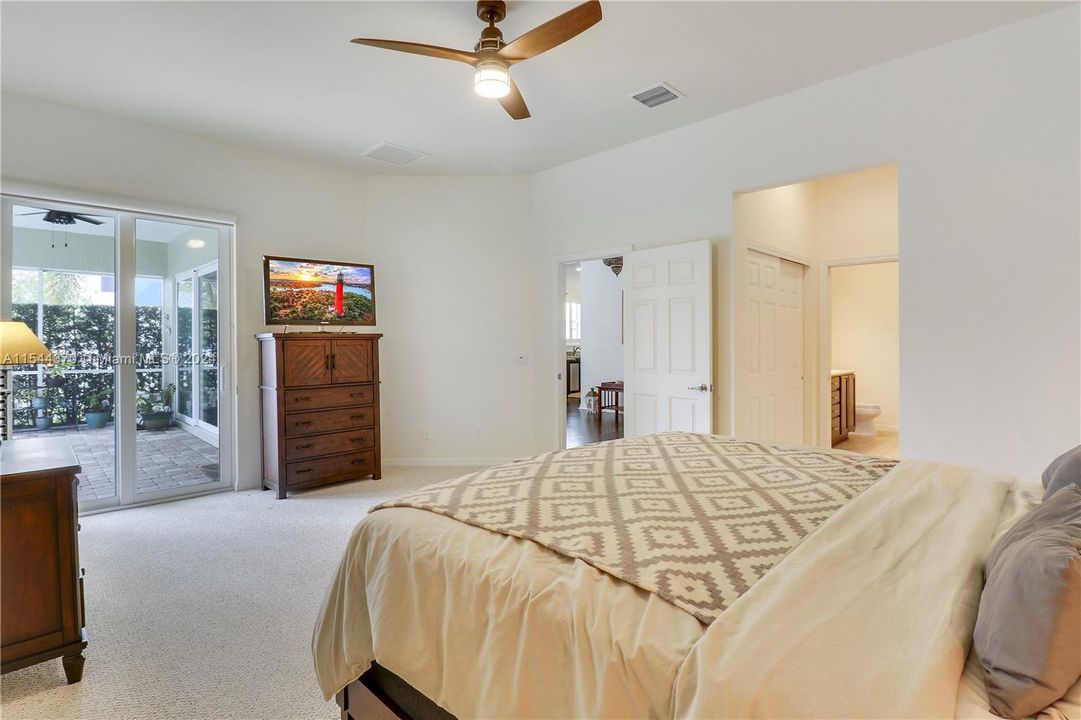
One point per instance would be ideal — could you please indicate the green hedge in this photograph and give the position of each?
(86, 334)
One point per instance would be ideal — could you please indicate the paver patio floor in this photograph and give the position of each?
(165, 459)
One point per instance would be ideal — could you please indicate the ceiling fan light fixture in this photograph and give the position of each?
(491, 79)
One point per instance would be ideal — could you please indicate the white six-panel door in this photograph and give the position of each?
(775, 349)
(667, 348)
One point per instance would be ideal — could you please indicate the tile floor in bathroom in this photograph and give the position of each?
(883, 444)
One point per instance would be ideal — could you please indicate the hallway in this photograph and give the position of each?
(583, 428)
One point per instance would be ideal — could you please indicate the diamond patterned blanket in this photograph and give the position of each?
(695, 519)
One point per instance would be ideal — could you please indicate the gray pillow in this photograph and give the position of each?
(1028, 631)
(1063, 470)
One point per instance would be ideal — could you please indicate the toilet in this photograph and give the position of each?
(865, 419)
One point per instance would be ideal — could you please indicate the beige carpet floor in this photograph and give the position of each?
(204, 608)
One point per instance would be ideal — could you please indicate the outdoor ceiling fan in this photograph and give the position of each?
(492, 58)
(60, 217)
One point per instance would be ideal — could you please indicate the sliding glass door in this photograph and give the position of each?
(60, 278)
(196, 330)
(137, 309)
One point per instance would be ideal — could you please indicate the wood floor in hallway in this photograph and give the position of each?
(584, 428)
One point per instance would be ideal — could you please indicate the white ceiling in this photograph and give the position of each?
(284, 75)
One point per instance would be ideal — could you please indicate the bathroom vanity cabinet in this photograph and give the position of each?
(843, 396)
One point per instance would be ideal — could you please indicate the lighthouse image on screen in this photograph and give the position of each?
(310, 292)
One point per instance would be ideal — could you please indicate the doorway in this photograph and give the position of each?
(101, 288)
(863, 337)
(593, 349)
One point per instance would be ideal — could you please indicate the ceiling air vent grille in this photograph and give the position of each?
(393, 154)
(656, 95)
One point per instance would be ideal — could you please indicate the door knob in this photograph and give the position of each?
(700, 388)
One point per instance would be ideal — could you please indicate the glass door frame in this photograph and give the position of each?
(186, 276)
(124, 367)
(194, 275)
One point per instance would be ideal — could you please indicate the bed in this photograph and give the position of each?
(848, 587)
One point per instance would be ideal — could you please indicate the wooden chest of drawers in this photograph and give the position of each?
(843, 398)
(41, 587)
(320, 408)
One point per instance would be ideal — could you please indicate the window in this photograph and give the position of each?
(574, 321)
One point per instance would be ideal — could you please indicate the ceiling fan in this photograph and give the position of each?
(61, 217)
(492, 58)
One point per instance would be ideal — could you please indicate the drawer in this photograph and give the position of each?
(836, 410)
(340, 442)
(835, 383)
(308, 423)
(329, 397)
(837, 424)
(336, 467)
(836, 397)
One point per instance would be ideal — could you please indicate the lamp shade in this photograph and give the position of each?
(20, 346)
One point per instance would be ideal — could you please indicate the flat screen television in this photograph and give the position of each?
(315, 292)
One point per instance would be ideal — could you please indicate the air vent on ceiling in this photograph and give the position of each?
(393, 154)
(657, 95)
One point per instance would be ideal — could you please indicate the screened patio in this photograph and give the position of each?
(63, 287)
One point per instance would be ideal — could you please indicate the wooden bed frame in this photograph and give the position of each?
(361, 699)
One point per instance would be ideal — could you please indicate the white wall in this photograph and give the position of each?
(602, 324)
(864, 334)
(455, 281)
(455, 297)
(574, 282)
(855, 214)
(984, 133)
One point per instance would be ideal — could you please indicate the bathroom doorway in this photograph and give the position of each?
(862, 299)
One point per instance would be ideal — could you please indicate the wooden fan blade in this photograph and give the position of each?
(420, 49)
(514, 104)
(552, 33)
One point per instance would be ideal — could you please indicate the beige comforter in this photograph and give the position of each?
(870, 616)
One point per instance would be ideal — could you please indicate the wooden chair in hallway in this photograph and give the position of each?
(610, 397)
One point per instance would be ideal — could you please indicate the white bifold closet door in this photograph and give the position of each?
(774, 349)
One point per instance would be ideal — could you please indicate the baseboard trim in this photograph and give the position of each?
(444, 462)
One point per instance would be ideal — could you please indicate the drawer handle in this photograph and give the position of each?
(303, 422)
(303, 447)
(299, 472)
(356, 417)
(356, 440)
(356, 395)
(301, 399)
(361, 461)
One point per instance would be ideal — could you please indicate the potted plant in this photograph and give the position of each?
(54, 376)
(98, 410)
(156, 409)
(43, 401)
(39, 401)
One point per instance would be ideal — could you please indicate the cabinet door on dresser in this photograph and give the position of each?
(351, 361)
(305, 362)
